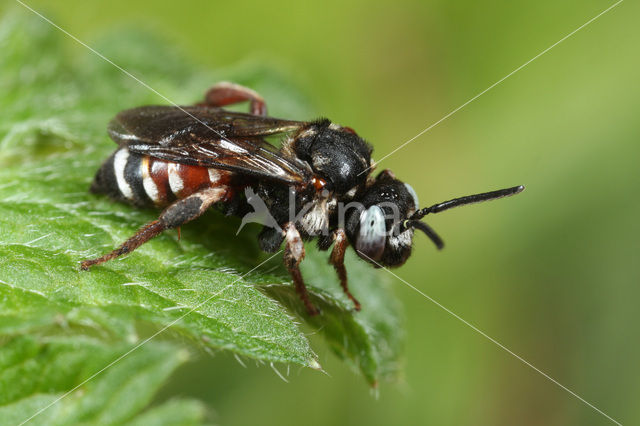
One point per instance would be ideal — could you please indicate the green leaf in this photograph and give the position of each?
(35, 374)
(370, 340)
(206, 287)
(47, 226)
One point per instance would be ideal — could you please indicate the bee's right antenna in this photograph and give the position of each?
(429, 232)
(469, 199)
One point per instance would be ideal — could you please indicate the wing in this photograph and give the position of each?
(209, 137)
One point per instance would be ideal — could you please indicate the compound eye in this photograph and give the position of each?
(372, 235)
(413, 195)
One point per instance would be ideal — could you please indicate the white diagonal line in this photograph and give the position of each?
(401, 146)
(496, 83)
(491, 339)
(146, 340)
(197, 306)
(122, 69)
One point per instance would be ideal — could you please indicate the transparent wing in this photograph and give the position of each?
(209, 137)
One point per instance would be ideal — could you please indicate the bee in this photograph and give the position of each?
(317, 185)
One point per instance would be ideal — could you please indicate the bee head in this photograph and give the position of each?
(381, 230)
(378, 229)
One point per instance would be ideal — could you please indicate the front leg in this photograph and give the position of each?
(177, 214)
(225, 93)
(293, 255)
(337, 260)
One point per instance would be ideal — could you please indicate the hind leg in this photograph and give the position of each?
(177, 214)
(225, 93)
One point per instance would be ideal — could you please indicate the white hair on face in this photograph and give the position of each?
(402, 240)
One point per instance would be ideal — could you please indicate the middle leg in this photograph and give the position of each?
(293, 255)
(337, 260)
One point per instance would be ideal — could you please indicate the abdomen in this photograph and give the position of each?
(145, 181)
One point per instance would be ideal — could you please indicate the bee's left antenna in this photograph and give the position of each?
(469, 199)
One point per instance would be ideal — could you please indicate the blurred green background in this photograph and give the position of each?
(552, 274)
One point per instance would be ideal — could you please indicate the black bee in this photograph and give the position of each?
(318, 184)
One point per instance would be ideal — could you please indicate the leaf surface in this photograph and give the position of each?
(209, 289)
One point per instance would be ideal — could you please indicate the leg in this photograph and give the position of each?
(225, 93)
(178, 213)
(293, 255)
(337, 260)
